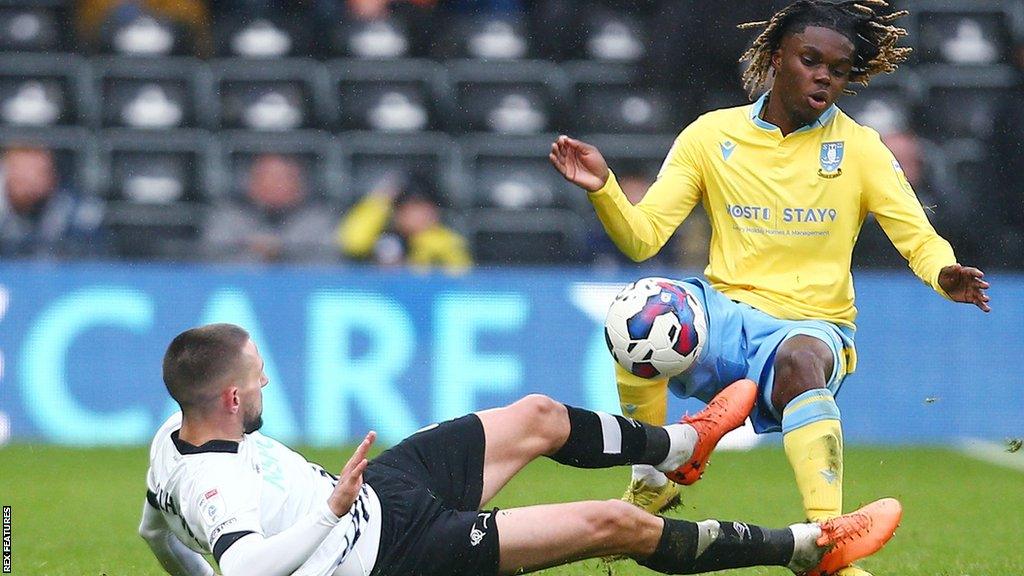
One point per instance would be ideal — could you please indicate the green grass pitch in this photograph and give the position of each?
(75, 512)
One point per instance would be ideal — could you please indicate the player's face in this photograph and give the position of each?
(251, 390)
(812, 68)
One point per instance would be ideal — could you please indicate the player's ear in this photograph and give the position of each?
(231, 398)
(776, 59)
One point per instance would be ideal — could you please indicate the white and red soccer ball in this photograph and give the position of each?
(655, 328)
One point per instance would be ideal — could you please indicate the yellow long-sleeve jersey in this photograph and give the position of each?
(785, 211)
(437, 246)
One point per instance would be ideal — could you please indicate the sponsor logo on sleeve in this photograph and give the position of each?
(211, 506)
(221, 529)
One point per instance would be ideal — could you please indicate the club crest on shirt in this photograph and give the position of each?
(830, 158)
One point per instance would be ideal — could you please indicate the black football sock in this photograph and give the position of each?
(695, 547)
(602, 440)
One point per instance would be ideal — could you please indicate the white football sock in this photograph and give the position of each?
(681, 440)
(649, 475)
(806, 552)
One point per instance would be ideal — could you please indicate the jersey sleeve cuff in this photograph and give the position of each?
(327, 516)
(610, 185)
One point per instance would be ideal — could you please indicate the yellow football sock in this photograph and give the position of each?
(641, 399)
(813, 439)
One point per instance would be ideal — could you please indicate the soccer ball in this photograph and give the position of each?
(655, 328)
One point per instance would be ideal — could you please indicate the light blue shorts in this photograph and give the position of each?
(742, 342)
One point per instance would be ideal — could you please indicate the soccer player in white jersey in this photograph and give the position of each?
(787, 183)
(217, 486)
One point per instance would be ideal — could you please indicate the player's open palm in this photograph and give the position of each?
(579, 162)
(351, 479)
(965, 284)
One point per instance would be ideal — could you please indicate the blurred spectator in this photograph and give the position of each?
(275, 221)
(399, 223)
(145, 27)
(40, 218)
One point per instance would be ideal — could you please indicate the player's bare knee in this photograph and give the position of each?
(799, 368)
(545, 418)
(617, 524)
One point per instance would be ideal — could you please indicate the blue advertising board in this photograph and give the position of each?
(348, 349)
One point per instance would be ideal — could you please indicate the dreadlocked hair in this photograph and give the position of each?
(871, 31)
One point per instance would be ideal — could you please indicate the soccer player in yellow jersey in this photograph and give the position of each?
(787, 182)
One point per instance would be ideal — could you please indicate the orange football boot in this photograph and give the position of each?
(724, 413)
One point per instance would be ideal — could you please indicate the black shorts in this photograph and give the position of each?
(430, 486)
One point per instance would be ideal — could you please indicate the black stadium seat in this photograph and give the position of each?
(390, 96)
(975, 33)
(265, 36)
(44, 89)
(611, 100)
(961, 102)
(143, 35)
(155, 185)
(375, 39)
(38, 26)
(487, 37)
(514, 174)
(285, 94)
(613, 36)
(154, 93)
(506, 97)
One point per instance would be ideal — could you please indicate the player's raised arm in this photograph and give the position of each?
(351, 479)
(579, 162)
(965, 284)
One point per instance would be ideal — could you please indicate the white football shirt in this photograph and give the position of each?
(255, 485)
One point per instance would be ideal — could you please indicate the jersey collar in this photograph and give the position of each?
(184, 448)
(755, 116)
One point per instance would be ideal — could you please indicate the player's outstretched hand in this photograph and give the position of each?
(351, 479)
(965, 284)
(579, 162)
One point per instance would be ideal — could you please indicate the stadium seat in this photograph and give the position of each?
(611, 100)
(377, 39)
(514, 174)
(38, 26)
(140, 34)
(44, 89)
(154, 184)
(975, 33)
(613, 36)
(370, 157)
(390, 96)
(484, 37)
(961, 102)
(506, 97)
(277, 94)
(317, 151)
(538, 236)
(154, 93)
(269, 35)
